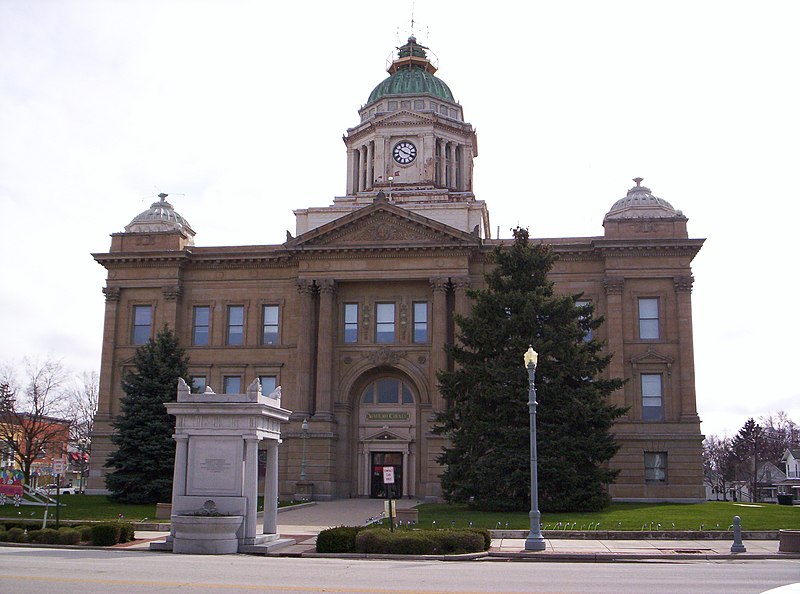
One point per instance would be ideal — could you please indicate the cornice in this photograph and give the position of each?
(367, 252)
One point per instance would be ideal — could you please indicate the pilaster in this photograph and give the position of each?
(683, 296)
(614, 287)
(305, 343)
(326, 334)
(439, 287)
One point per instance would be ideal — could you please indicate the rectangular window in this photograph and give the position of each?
(652, 400)
(142, 323)
(655, 467)
(268, 383)
(648, 318)
(198, 384)
(420, 321)
(351, 323)
(585, 303)
(231, 384)
(200, 325)
(236, 325)
(384, 323)
(269, 334)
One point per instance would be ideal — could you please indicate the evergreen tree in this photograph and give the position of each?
(487, 461)
(143, 462)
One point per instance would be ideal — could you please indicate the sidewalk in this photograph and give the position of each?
(305, 522)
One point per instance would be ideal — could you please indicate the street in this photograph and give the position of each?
(29, 570)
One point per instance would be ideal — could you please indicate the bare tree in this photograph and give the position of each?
(82, 394)
(32, 423)
(719, 464)
(780, 434)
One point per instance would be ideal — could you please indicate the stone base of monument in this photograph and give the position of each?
(206, 535)
(304, 491)
(789, 541)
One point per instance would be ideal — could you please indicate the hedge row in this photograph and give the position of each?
(102, 535)
(354, 539)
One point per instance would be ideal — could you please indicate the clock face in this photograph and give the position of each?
(404, 152)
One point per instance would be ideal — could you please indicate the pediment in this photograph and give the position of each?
(651, 356)
(402, 117)
(384, 435)
(382, 225)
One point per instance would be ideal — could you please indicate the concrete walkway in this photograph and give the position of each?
(303, 523)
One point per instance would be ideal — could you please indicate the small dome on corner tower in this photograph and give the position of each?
(161, 216)
(640, 203)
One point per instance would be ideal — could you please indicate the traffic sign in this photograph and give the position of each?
(388, 475)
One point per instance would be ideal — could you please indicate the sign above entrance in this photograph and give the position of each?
(387, 416)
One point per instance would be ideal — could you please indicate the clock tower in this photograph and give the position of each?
(413, 145)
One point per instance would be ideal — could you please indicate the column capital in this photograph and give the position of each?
(326, 286)
(683, 284)
(172, 292)
(305, 286)
(613, 285)
(461, 283)
(111, 293)
(438, 284)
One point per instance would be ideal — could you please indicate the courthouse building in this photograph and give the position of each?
(350, 315)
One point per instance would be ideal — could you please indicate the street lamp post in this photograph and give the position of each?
(535, 541)
(304, 437)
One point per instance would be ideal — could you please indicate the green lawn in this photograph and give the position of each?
(712, 515)
(90, 507)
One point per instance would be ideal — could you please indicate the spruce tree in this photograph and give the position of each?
(487, 461)
(143, 462)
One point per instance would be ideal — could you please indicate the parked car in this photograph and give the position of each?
(51, 489)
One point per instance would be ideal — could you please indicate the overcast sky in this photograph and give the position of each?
(237, 110)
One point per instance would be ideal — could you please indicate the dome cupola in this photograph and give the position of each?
(412, 73)
(161, 216)
(640, 203)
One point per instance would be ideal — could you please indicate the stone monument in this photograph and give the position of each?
(215, 482)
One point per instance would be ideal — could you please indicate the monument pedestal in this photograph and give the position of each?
(215, 481)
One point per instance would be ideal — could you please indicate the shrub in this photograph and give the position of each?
(341, 539)
(422, 542)
(381, 541)
(451, 542)
(16, 534)
(68, 536)
(3, 535)
(85, 532)
(126, 532)
(485, 535)
(105, 535)
(43, 536)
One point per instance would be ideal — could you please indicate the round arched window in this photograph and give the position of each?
(387, 391)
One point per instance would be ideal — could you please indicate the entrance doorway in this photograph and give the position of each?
(379, 460)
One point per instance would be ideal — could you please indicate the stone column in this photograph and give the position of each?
(370, 166)
(172, 298)
(326, 336)
(271, 489)
(683, 294)
(351, 165)
(438, 337)
(462, 303)
(181, 464)
(362, 165)
(105, 409)
(614, 286)
(429, 158)
(451, 165)
(379, 159)
(251, 488)
(305, 343)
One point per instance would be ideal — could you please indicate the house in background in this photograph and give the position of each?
(791, 484)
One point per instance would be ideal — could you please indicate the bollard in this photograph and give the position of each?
(737, 546)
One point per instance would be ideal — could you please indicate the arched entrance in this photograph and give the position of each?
(387, 429)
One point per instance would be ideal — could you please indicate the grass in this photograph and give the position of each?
(712, 515)
(91, 507)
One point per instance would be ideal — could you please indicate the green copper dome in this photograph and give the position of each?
(412, 74)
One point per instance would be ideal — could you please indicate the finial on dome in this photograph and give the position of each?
(638, 181)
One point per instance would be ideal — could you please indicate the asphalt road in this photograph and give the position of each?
(28, 570)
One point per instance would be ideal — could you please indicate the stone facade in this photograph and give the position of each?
(350, 316)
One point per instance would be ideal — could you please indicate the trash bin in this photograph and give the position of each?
(784, 499)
